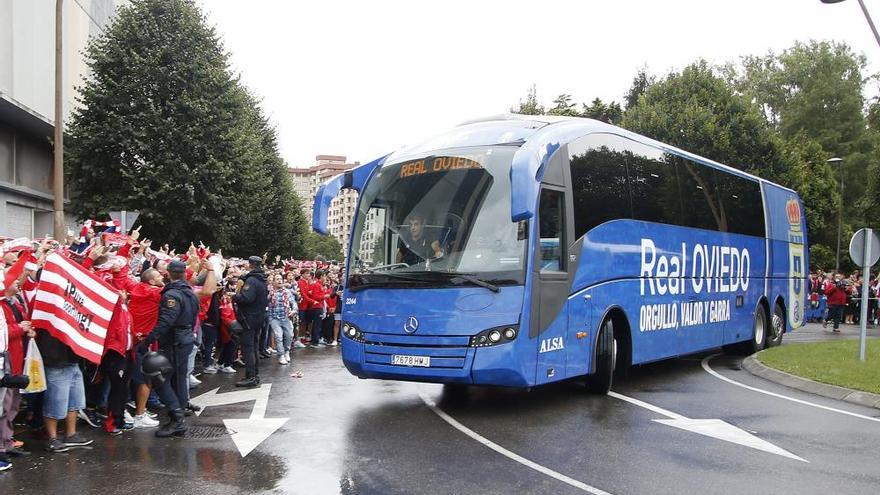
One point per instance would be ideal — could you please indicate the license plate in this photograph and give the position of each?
(423, 361)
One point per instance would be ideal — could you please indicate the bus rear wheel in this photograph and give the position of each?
(599, 382)
(777, 326)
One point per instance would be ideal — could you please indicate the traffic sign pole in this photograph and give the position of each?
(866, 276)
(864, 248)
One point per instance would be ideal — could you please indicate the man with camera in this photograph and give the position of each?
(251, 301)
(837, 290)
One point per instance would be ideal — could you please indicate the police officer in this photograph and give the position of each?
(178, 310)
(251, 302)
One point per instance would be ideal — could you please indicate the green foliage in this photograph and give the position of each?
(814, 180)
(699, 112)
(814, 91)
(822, 257)
(640, 84)
(530, 106)
(563, 106)
(813, 88)
(599, 110)
(163, 127)
(323, 247)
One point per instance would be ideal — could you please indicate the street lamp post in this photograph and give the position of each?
(839, 162)
(58, 156)
(867, 17)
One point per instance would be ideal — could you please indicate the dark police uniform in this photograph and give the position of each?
(174, 332)
(251, 303)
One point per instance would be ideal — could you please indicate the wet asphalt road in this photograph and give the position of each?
(355, 436)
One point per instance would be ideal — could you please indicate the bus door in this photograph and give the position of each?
(550, 287)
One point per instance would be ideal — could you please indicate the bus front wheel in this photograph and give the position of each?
(606, 359)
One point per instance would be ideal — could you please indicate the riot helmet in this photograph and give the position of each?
(156, 368)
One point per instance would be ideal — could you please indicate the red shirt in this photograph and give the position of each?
(143, 302)
(836, 295)
(120, 336)
(331, 303)
(316, 293)
(305, 299)
(15, 338)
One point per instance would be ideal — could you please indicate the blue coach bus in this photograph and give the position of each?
(522, 250)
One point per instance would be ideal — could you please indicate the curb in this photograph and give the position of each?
(755, 367)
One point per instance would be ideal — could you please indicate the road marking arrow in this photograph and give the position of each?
(248, 433)
(213, 398)
(714, 428)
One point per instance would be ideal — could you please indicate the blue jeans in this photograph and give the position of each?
(65, 391)
(265, 331)
(283, 331)
(209, 340)
(313, 316)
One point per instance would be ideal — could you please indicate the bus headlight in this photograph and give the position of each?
(352, 332)
(494, 336)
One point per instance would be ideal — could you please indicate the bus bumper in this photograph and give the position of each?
(482, 366)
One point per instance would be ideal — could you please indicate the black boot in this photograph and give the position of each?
(176, 426)
(253, 381)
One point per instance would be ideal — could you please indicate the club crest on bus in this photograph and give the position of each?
(796, 262)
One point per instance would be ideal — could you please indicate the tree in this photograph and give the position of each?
(699, 111)
(640, 84)
(531, 105)
(814, 91)
(563, 105)
(163, 127)
(324, 247)
(814, 180)
(610, 113)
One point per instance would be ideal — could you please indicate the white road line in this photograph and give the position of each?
(650, 407)
(506, 453)
(714, 428)
(705, 364)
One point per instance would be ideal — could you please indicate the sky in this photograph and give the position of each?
(365, 78)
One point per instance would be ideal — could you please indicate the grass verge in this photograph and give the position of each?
(836, 363)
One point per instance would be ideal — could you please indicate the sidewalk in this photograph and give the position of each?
(813, 332)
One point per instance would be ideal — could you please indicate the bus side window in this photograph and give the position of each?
(552, 221)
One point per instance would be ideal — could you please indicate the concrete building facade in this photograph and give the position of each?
(27, 101)
(306, 182)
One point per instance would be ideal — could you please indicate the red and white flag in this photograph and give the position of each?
(74, 305)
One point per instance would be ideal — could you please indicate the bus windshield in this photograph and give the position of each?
(438, 220)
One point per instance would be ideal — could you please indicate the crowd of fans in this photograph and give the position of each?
(303, 311)
(837, 298)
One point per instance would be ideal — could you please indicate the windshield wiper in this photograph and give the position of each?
(460, 278)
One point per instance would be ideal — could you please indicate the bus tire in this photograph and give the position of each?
(599, 383)
(759, 336)
(777, 326)
(759, 332)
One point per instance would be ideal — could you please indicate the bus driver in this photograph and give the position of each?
(413, 248)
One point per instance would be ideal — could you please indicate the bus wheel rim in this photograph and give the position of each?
(759, 328)
(777, 326)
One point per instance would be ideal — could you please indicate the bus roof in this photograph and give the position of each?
(578, 126)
